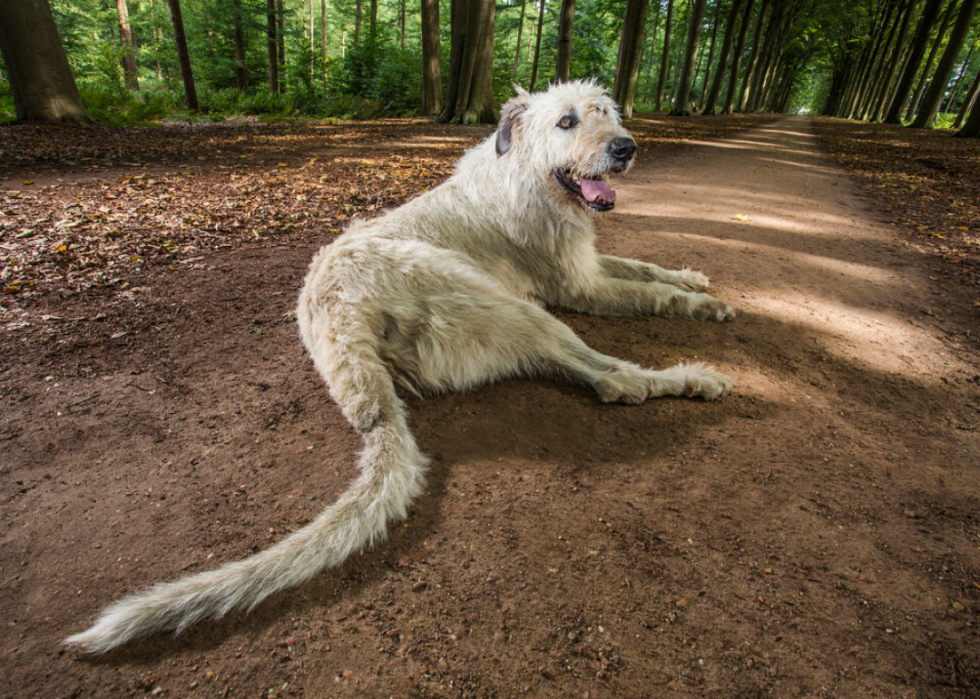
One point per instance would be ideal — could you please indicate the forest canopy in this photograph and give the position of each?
(903, 61)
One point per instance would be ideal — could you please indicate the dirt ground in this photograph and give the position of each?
(816, 533)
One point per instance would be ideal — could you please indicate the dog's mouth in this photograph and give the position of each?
(594, 192)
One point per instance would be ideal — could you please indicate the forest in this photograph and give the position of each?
(911, 62)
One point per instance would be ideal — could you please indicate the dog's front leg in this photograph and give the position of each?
(621, 268)
(606, 295)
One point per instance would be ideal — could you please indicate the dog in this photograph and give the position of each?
(442, 294)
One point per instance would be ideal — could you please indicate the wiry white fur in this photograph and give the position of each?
(444, 293)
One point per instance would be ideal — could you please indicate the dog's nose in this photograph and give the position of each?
(622, 148)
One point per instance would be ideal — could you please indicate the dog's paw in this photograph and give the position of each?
(689, 280)
(624, 384)
(702, 381)
(710, 308)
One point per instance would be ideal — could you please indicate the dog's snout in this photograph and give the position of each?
(622, 148)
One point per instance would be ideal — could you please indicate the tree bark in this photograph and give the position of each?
(927, 68)
(520, 33)
(630, 49)
(726, 50)
(754, 56)
(272, 44)
(930, 101)
(40, 77)
(239, 47)
(743, 32)
(358, 12)
(919, 42)
(711, 51)
(954, 90)
(890, 65)
(563, 61)
(281, 19)
(401, 20)
(664, 59)
(968, 103)
(431, 58)
(469, 95)
(537, 47)
(128, 46)
(971, 129)
(183, 56)
(681, 102)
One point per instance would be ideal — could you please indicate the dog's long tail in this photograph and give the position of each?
(392, 475)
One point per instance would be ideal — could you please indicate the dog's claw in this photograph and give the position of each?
(713, 309)
(689, 280)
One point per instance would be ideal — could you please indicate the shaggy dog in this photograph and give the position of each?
(442, 294)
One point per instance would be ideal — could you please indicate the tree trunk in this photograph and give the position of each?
(358, 12)
(971, 129)
(953, 91)
(664, 59)
(272, 45)
(653, 46)
(563, 62)
(239, 47)
(129, 47)
(373, 26)
(323, 38)
(537, 47)
(183, 56)
(401, 20)
(890, 65)
(754, 56)
(431, 58)
(281, 17)
(681, 102)
(711, 52)
(743, 33)
(469, 95)
(930, 102)
(520, 33)
(761, 64)
(630, 49)
(919, 42)
(968, 103)
(726, 50)
(40, 77)
(927, 68)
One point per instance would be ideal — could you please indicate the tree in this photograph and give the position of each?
(563, 60)
(743, 33)
(630, 49)
(681, 102)
(664, 58)
(930, 101)
(919, 42)
(520, 33)
(239, 46)
(754, 56)
(128, 46)
(711, 51)
(537, 47)
(431, 58)
(272, 45)
(969, 102)
(469, 93)
(726, 50)
(971, 129)
(40, 77)
(927, 68)
(183, 56)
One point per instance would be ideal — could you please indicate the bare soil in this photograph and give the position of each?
(816, 533)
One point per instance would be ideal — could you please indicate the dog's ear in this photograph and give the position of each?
(509, 114)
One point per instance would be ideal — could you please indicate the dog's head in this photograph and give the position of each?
(570, 136)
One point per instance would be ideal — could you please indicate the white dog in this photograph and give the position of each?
(445, 293)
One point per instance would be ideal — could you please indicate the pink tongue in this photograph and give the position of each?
(594, 189)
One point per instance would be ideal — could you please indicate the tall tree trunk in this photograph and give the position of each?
(653, 45)
(239, 47)
(281, 20)
(630, 49)
(927, 68)
(563, 60)
(272, 45)
(954, 90)
(183, 56)
(969, 102)
(520, 32)
(971, 129)
(537, 46)
(930, 101)
(128, 46)
(919, 42)
(323, 38)
(743, 33)
(681, 102)
(711, 52)
(40, 77)
(664, 59)
(754, 56)
(726, 50)
(373, 26)
(890, 65)
(431, 58)
(761, 65)
(358, 13)
(469, 95)
(401, 21)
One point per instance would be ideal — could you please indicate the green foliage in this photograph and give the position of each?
(7, 111)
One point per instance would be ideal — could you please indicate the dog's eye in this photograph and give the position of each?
(567, 122)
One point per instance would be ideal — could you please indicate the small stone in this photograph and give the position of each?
(419, 586)
(911, 514)
(681, 603)
(958, 607)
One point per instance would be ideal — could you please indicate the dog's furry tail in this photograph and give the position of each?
(392, 475)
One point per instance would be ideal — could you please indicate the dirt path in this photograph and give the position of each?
(814, 534)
